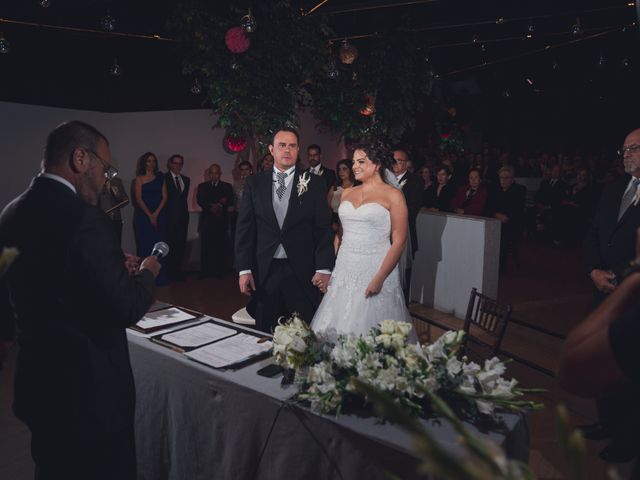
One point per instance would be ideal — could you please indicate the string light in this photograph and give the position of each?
(4, 45)
(108, 23)
(44, 3)
(196, 89)
(115, 69)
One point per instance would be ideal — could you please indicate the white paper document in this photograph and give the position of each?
(231, 350)
(198, 335)
(163, 317)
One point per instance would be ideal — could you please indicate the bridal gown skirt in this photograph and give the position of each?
(344, 308)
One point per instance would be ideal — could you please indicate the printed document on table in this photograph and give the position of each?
(231, 350)
(198, 335)
(167, 316)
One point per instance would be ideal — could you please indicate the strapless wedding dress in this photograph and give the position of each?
(365, 242)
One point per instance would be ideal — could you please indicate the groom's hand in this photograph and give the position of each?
(321, 280)
(246, 283)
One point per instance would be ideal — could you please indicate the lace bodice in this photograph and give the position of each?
(366, 228)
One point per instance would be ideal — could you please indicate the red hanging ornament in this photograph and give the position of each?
(236, 40)
(235, 143)
(370, 107)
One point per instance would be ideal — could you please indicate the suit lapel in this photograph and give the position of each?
(265, 192)
(293, 199)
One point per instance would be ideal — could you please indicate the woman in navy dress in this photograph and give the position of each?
(150, 194)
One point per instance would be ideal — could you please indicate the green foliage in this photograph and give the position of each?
(287, 67)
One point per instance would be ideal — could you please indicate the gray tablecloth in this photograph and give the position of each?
(194, 422)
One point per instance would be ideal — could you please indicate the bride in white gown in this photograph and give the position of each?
(365, 288)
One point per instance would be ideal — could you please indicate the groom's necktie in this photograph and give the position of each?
(281, 187)
(178, 187)
(628, 197)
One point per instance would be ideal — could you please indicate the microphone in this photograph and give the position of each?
(160, 250)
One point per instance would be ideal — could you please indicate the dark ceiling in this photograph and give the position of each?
(72, 68)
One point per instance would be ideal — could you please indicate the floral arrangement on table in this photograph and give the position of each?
(326, 372)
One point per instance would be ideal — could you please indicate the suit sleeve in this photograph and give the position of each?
(322, 232)
(245, 247)
(201, 197)
(7, 317)
(592, 256)
(99, 264)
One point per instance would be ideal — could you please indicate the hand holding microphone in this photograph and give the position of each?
(151, 263)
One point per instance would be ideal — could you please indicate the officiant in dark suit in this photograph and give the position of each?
(177, 212)
(284, 251)
(314, 156)
(72, 299)
(412, 187)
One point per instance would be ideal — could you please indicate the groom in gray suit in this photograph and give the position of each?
(284, 251)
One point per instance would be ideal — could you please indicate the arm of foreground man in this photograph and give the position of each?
(588, 365)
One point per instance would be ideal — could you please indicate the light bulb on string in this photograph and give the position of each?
(531, 28)
(44, 3)
(576, 28)
(499, 20)
(332, 71)
(348, 53)
(506, 93)
(248, 22)
(108, 23)
(196, 89)
(475, 38)
(626, 62)
(602, 61)
(115, 69)
(483, 47)
(4, 45)
(555, 66)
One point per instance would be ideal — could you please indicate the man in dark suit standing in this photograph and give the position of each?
(314, 155)
(547, 201)
(72, 298)
(412, 186)
(507, 204)
(177, 211)
(284, 251)
(215, 197)
(609, 247)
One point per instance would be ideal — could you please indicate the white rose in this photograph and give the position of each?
(454, 366)
(388, 326)
(403, 328)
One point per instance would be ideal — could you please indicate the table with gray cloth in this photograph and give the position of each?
(195, 422)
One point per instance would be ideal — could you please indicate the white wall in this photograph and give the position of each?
(24, 128)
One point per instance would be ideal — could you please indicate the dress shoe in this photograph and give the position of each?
(619, 451)
(596, 431)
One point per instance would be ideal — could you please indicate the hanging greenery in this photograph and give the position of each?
(285, 62)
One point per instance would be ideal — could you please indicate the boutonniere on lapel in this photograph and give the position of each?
(303, 183)
(636, 198)
(404, 180)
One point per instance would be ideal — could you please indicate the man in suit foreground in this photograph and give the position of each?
(284, 250)
(177, 211)
(72, 299)
(215, 197)
(609, 247)
(314, 155)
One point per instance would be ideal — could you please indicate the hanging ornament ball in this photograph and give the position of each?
(236, 40)
(475, 38)
(44, 3)
(235, 143)
(369, 107)
(196, 89)
(108, 23)
(348, 53)
(626, 62)
(248, 23)
(4, 45)
(115, 69)
(333, 72)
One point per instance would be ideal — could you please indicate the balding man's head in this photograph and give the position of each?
(631, 153)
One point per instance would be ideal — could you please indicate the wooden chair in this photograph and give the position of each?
(485, 322)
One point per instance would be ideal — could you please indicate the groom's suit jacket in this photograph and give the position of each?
(306, 233)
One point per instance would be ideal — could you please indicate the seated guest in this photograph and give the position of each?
(438, 196)
(507, 204)
(345, 180)
(425, 173)
(547, 201)
(576, 210)
(470, 199)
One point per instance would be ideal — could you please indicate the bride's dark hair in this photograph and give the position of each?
(379, 154)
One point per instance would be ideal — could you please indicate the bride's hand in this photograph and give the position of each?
(374, 287)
